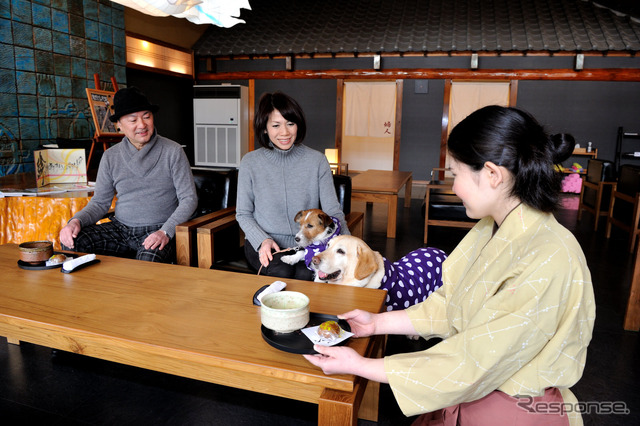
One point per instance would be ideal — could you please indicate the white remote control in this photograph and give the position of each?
(72, 264)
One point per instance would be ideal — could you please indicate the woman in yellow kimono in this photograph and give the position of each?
(516, 309)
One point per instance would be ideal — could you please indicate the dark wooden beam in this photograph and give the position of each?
(603, 74)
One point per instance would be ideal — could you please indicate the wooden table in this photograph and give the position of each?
(191, 322)
(383, 186)
(36, 217)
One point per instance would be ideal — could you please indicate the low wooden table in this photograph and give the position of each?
(382, 186)
(191, 322)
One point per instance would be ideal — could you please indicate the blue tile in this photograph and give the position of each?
(78, 87)
(8, 106)
(119, 55)
(53, 127)
(44, 62)
(106, 52)
(22, 34)
(6, 56)
(42, 38)
(91, 30)
(45, 128)
(76, 27)
(46, 105)
(24, 59)
(104, 13)
(63, 86)
(21, 11)
(44, 2)
(62, 65)
(41, 15)
(106, 70)
(79, 67)
(106, 34)
(76, 7)
(119, 38)
(91, 9)
(27, 105)
(93, 50)
(117, 16)
(7, 81)
(29, 128)
(60, 4)
(5, 10)
(46, 85)
(61, 43)
(26, 82)
(60, 20)
(93, 67)
(78, 47)
(5, 31)
(121, 75)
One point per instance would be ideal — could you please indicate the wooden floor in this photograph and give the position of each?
(42, 387)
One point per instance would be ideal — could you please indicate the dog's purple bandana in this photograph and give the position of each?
(413, 278)
(315, 248)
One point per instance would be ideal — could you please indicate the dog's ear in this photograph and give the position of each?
(299, 216)
(325, 219)
(366, 263)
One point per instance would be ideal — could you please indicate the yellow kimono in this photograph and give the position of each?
(516, 312)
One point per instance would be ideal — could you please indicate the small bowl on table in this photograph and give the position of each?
(285, 311)
(35, 251)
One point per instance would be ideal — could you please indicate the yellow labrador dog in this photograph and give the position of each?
(350, 261)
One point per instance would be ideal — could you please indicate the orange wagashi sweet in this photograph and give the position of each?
(329, 330)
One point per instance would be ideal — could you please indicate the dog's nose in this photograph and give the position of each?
(297, 239)
(315, 260)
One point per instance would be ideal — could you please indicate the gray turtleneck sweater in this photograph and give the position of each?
(154, 186)
(274, 185)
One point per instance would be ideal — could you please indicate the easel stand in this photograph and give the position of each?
(105, 139)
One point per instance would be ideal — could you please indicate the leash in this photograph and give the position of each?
(275, 252)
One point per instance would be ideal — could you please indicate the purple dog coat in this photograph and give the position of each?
(413, 278)
(315, 248)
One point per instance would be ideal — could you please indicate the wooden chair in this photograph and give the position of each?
(624, 208)
(442, 207)
(597, 186)
(220, 242)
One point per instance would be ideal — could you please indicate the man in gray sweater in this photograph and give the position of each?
(152, 181)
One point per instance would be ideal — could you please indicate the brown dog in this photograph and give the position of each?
(349, 261)
(316, 228)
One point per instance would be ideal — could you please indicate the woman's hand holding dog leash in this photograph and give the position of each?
(264, 252)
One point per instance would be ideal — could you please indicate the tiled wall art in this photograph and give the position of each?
(49, 53)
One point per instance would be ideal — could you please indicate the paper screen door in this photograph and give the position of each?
(467, 97)
(369, 125)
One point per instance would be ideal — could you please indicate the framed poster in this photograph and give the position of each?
(101, 104)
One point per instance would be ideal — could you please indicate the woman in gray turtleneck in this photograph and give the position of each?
(277, 181)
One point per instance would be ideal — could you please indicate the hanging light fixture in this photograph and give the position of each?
(222, 13)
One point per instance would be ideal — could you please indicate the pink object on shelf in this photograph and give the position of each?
(572, 183)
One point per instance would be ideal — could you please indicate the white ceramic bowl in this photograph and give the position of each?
(285, 311)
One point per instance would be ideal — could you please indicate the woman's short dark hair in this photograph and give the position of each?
(290, 110)
(512, 138)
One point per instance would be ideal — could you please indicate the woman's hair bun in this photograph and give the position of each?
(562, 145)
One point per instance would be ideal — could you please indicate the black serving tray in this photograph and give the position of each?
(296, 342)
(43, 265)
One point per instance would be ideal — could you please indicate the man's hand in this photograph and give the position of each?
(70, 232)
(157, 240)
